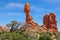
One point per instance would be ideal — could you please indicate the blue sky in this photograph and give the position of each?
(14, 10)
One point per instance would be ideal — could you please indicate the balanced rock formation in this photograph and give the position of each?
(50, 22)
(29, 19)
(30, 25)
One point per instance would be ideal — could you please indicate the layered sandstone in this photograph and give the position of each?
(50, 22)
(29, 19)
(46, 21)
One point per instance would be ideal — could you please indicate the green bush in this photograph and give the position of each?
(45, 36)
(12, 36)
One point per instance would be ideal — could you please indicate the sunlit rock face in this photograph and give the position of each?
(6, 29)
(50, 22)
(29, 19)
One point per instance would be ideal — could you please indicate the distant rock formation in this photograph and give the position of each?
(6, 29)
(29, 19)
(50, 22)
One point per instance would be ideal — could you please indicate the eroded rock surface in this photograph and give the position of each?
(29, 19)
(50, 22)
(6, 29)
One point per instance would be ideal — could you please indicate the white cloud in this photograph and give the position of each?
(35, 8)
(11, 14)
(58, 8)
(42, 9)
(14, 5)
(51, 1)
(10, 5)
(19, 5)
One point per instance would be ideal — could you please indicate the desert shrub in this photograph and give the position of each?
(12, 36)
(45, 36)
(30, 35)
(57, 36)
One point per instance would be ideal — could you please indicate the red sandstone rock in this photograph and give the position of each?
(27, 8)
(29, 19)
(53, 22)
(50, 22)
(4, 29)
(46, 21)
